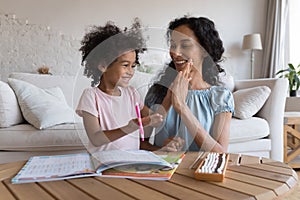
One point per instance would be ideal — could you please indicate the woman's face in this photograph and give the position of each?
(184, 46)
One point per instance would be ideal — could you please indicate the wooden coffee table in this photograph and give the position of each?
(247, 177)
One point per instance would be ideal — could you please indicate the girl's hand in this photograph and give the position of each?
(153, 120)
(173, 144)
(180, 86)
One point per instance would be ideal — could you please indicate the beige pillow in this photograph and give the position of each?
(10, 113)
(247, 102)
(42, 108)
(226, 80)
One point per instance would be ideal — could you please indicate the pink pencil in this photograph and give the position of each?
(138, 114)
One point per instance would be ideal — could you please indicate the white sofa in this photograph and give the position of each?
(260, 135)
(270, 146)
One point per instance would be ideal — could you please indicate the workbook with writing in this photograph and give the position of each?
(138, 164)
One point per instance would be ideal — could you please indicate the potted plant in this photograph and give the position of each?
(292, 74)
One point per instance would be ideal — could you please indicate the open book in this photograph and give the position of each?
(137, 164)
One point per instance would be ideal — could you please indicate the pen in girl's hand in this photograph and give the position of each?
(138, 114)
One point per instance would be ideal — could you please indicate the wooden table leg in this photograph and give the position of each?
(285, 135)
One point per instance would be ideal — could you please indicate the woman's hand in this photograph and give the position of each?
(180, 86)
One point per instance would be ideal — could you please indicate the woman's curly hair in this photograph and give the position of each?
(102, 45)
(208, 37)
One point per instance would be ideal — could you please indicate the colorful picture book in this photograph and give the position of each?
(139, 164)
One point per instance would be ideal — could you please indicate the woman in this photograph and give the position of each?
(198, 111)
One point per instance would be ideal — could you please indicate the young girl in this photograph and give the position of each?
(109, 56)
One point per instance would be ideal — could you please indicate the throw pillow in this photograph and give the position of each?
(226, 80)
(42, 108)
(10, 113)
(247, 102)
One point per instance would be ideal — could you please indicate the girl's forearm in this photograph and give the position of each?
(101, 137)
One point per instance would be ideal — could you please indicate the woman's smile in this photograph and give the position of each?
(180, 63)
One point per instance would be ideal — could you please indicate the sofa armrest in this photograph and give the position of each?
(272, 111)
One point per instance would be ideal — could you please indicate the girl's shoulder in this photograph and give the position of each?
(90, 91)
(129, 90)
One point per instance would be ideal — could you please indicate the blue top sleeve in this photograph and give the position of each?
(222, 100)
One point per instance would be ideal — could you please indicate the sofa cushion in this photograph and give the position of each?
(259, 147)
(10, 113)
(25, 137)
(247, 102)
(42, 108)
(248, 129)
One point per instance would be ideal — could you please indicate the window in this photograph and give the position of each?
(294, 32)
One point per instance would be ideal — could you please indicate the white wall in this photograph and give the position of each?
(233, 19)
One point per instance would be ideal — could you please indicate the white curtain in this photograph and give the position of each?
(276, 38)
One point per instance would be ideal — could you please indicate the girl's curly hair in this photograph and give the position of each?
(102, 45)
(208, 37)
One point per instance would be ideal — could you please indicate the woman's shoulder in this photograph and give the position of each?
(219, 90)
(222, 99)
(220, 93)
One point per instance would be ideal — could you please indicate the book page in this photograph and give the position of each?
(147, 172)
(113, 158)
(40, 167)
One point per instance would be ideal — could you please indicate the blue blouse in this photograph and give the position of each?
(204, 104)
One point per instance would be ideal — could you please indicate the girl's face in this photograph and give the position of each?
(120, 71)
(185, 46)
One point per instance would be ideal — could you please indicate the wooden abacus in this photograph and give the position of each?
(212, 167)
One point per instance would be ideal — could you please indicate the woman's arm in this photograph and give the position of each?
(219, 140)
(220, 129)
(171, 144)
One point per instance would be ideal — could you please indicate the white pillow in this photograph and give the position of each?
(42, 108)
(10, 113)
(226, 80)
(247, 102)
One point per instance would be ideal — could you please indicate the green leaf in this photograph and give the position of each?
(281, 71)
(291, 66)
(292, 74)
(297, 80)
